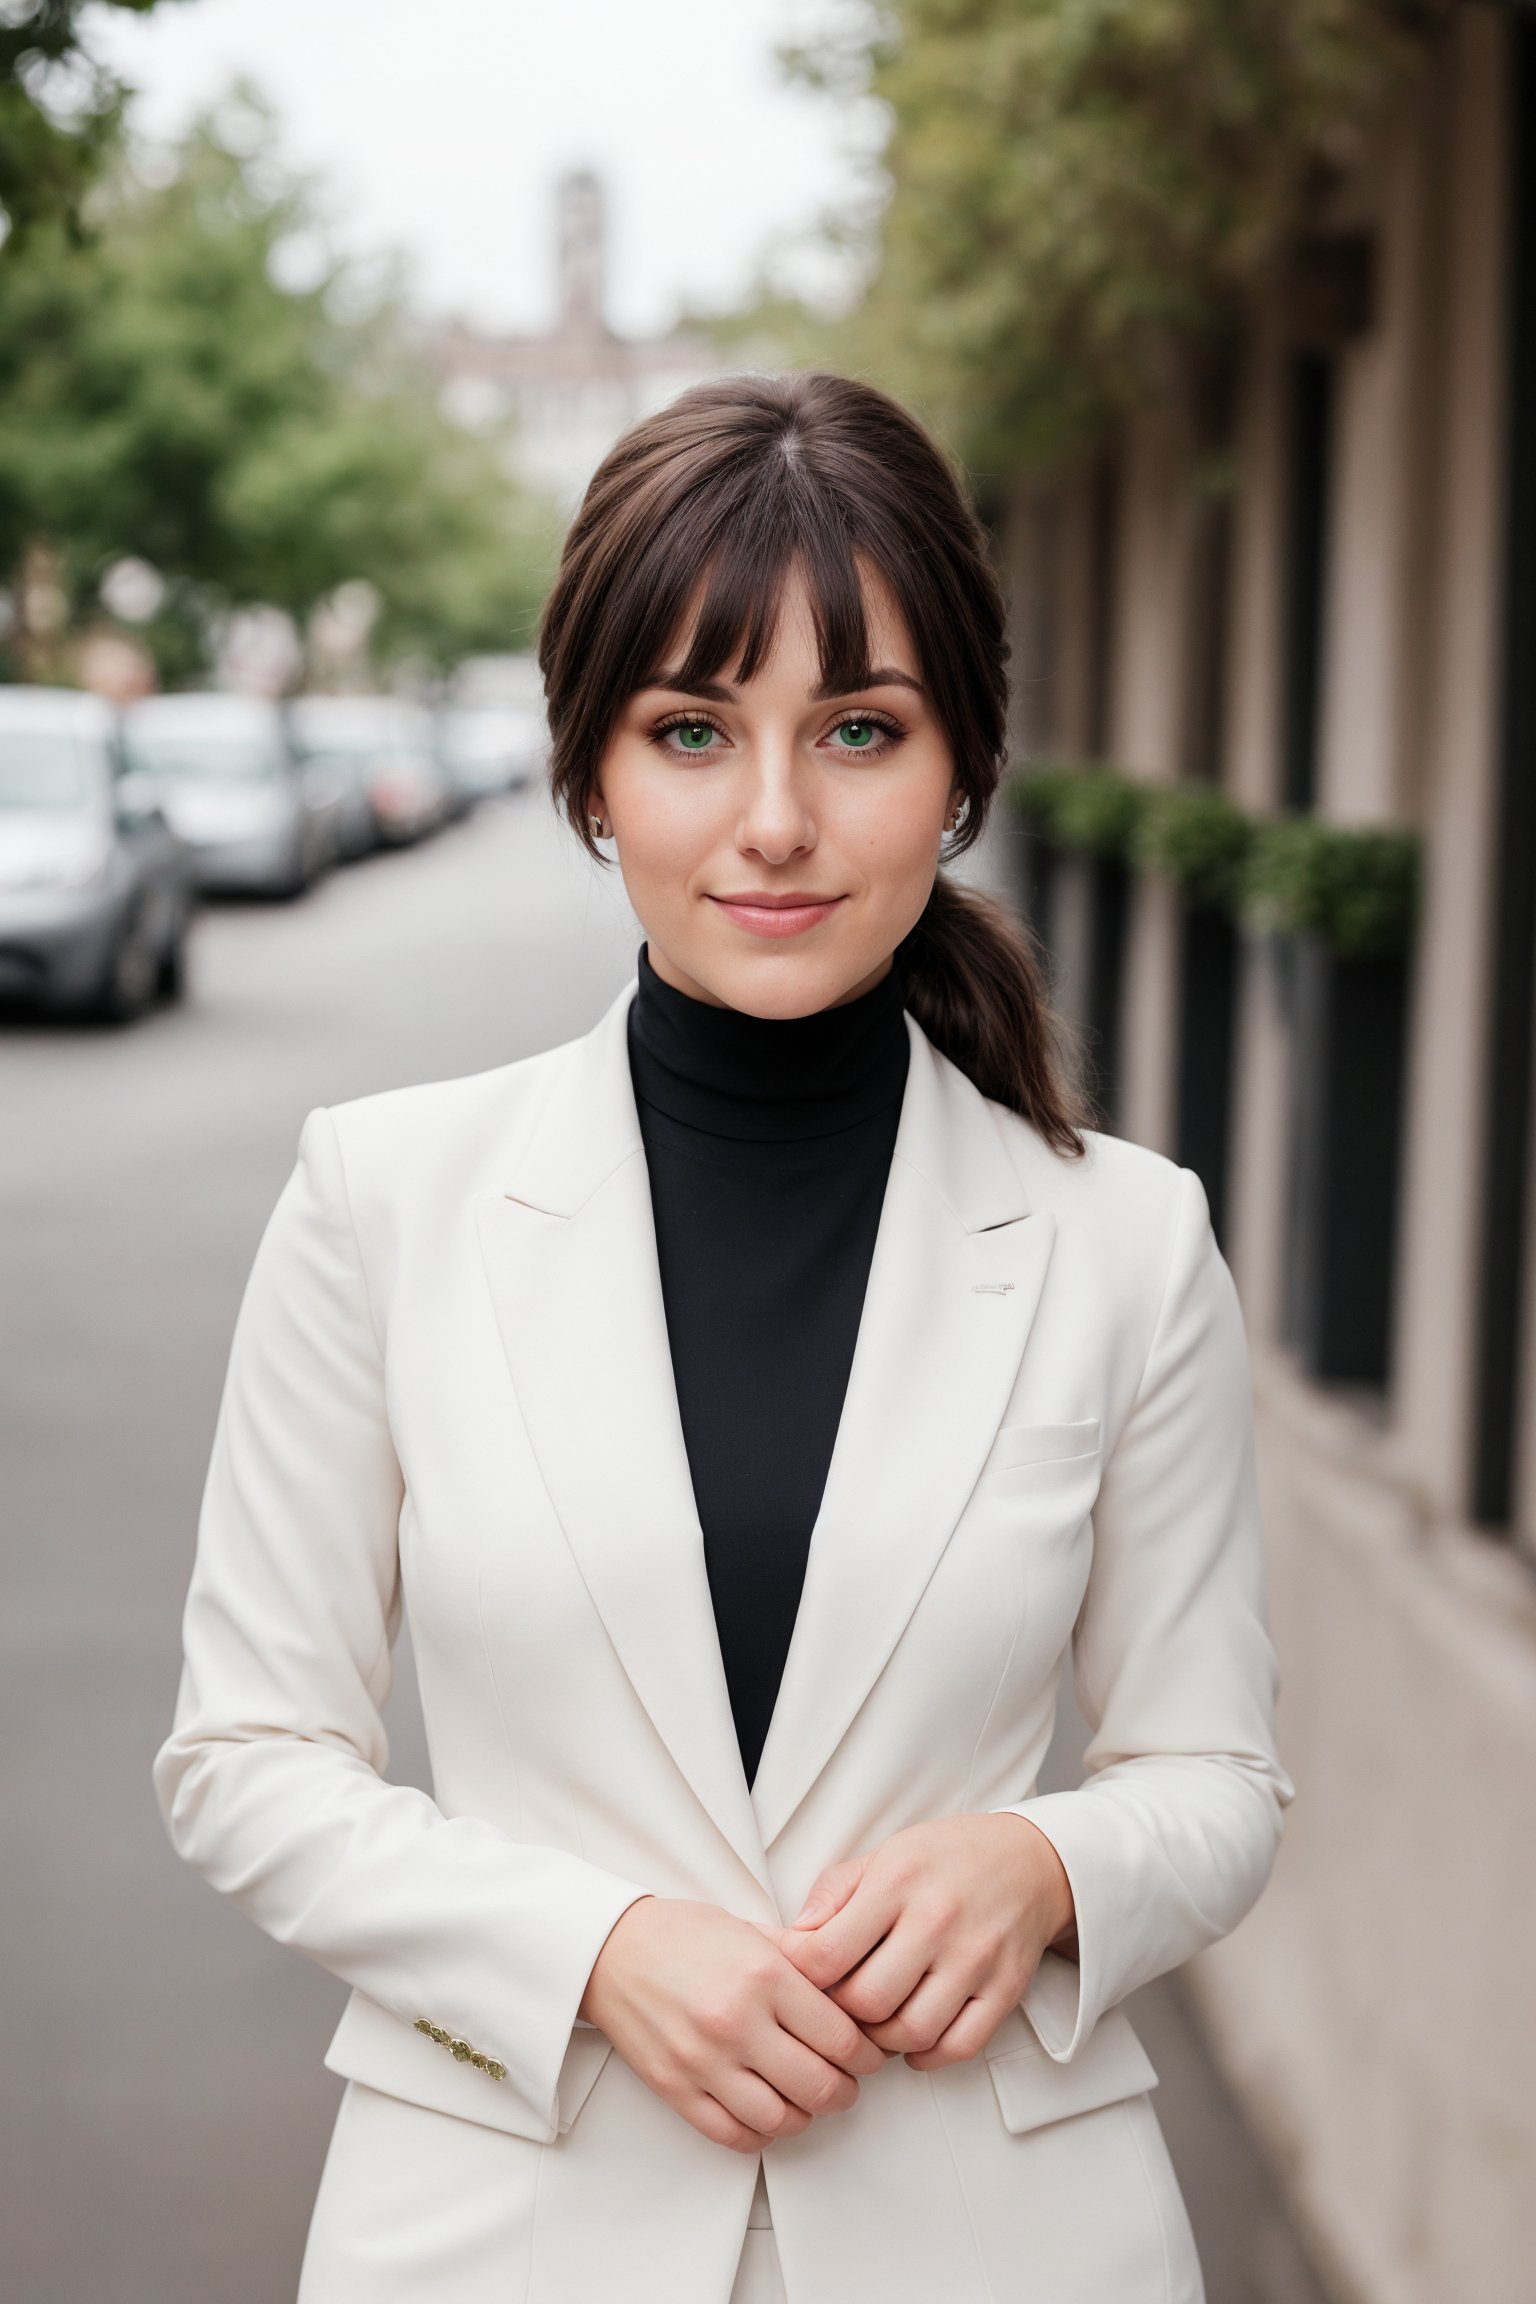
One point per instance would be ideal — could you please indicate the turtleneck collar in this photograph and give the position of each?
(767, 1078)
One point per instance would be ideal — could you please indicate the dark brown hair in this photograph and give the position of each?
(701, 512)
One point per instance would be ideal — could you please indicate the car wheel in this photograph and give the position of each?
(171, 975)
(133, 975)
(299, 878)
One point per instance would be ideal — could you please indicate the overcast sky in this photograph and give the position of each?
(440, 125)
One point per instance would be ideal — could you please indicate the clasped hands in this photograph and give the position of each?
(918, 1949)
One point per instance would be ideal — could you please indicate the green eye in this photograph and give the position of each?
(857, 735)
(694, 735)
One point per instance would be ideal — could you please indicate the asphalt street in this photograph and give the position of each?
(163, 2107)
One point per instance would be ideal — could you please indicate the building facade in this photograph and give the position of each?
(1308, 576)
(564, 396)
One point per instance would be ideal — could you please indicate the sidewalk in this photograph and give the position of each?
(1248, 2247)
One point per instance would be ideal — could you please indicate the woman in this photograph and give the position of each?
(752, 1402)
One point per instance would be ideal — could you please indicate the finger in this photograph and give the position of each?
(923, 2018)
(812, 2017)
(964, 2038)
(892, 1973)
(830, 1951)
(829, 1892)
(750, 2099)
(803, 2078)
(721, 2127)
(790, 1941)
(802, 1949)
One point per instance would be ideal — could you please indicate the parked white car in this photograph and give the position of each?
(225, 771)
(492, 747)
(388, 748)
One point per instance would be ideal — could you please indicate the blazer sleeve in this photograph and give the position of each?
(271, 1782)
(1173, 1833)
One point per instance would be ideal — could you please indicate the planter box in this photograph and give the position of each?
(1078, 905)
(1032, 862)
(1207, 1024)
(1348, 1021)
(1109, 907)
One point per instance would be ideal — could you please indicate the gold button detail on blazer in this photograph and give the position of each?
(461, 2051)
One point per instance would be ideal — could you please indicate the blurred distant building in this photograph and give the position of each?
(569, 393)
(1309, 579)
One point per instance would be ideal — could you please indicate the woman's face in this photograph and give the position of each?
(778, 842)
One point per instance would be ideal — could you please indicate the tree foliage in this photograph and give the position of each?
(164, 395)
(1069, 185)
(59, 109)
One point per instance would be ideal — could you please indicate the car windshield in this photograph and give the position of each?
(345, 759)
(50, 770)
(212, 756)
(337, 730)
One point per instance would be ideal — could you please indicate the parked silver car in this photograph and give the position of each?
(388, 748)
(95, 888)
(491, 748)
(225, 771)
(339, 793)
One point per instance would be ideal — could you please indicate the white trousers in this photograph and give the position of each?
(758, 2277)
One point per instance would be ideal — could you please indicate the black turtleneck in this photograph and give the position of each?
(768, 1146)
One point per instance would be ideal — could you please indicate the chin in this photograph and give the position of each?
(782, 985)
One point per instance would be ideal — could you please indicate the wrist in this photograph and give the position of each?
(602, 1966)
(1049, 1884)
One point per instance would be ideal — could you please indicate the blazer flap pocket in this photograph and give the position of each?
(374, 2048)
(584, 2059)
(1033, 2089)
(1040, 1443)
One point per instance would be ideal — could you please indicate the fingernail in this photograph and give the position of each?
(806, 1916)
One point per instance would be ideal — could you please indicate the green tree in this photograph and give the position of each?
(1069, 186)
(59, 108)
(166, 395)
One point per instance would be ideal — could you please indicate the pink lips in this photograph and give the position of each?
(765, 915)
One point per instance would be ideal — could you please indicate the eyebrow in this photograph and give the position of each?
(721, 691)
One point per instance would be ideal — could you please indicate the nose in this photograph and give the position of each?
(777, 821)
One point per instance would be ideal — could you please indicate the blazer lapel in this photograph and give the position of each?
(570, 1252)
(958, 1268)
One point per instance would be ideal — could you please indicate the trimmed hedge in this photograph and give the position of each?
(1095, 811)
(1355, 888)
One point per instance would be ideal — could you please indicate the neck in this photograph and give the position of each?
(737, 1075)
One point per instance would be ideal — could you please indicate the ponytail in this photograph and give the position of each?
(972, 977)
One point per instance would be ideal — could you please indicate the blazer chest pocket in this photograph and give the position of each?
(1020, 1444)
(1033, 2089)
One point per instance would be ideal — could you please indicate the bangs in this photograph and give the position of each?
(770, 535)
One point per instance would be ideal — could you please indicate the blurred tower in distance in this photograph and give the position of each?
(582, 227)
(564, 396)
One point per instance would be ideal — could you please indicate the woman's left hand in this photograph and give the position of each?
(929, 1940)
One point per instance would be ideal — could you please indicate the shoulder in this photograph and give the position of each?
(1126, 1220)
(404, 1141)
(1113, 1182)
(1124, 1213)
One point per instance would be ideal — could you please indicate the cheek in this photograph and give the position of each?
(891, 832)
(664, 825)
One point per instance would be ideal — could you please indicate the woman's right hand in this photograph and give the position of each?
(714, 2019)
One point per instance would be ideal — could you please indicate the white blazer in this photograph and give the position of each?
(450, 1391)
